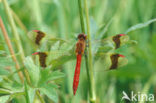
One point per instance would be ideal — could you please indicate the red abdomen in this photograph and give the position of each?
(77, 74)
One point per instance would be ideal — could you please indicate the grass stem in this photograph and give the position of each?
(7, 39)
(83, 31)
(14, 30)
(81, 16)
(18, 41)
(88, 58)
(90, 61)
(19, 22)
(40, 97)
(16, 35)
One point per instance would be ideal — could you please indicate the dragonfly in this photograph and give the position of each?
(80, 48)
(72, 49)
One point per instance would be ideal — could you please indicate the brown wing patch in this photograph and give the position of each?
(42, 59)
(116, 39)
(114, 61)
(39, 37)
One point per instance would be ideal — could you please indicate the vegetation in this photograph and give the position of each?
(23, 79)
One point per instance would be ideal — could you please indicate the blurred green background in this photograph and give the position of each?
(60, 18)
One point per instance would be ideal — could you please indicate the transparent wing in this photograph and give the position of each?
(106, 45)
(55, 51)
(110, 43)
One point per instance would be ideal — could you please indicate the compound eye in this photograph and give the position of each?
(79, 36)
(82, 36)
(85, 37)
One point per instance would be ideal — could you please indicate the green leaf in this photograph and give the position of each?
(47, 75)
(3, 99)
(5, 61)
(26, 93)
(3, 71)
(34, 71)
(16, 94)
(31, 94)
(50, 92)
(2, 52)
(12, 86)
(139, 26)
(44, 76)
(55, 75)
(4, 91)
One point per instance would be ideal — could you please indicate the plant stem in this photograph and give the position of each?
(41, 99)
(19, 22)
(16, 35)
(18, 41)
(81, 16)
(83, 31)
(90, 61)
(13, 27)
(7, 39)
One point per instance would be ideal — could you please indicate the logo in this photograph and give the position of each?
(137, 97)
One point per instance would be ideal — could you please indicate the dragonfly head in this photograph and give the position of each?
(82, 37)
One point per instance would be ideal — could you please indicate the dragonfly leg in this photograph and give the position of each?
(87, 44)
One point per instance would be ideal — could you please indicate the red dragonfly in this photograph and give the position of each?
(114, 60)
(80, 48)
